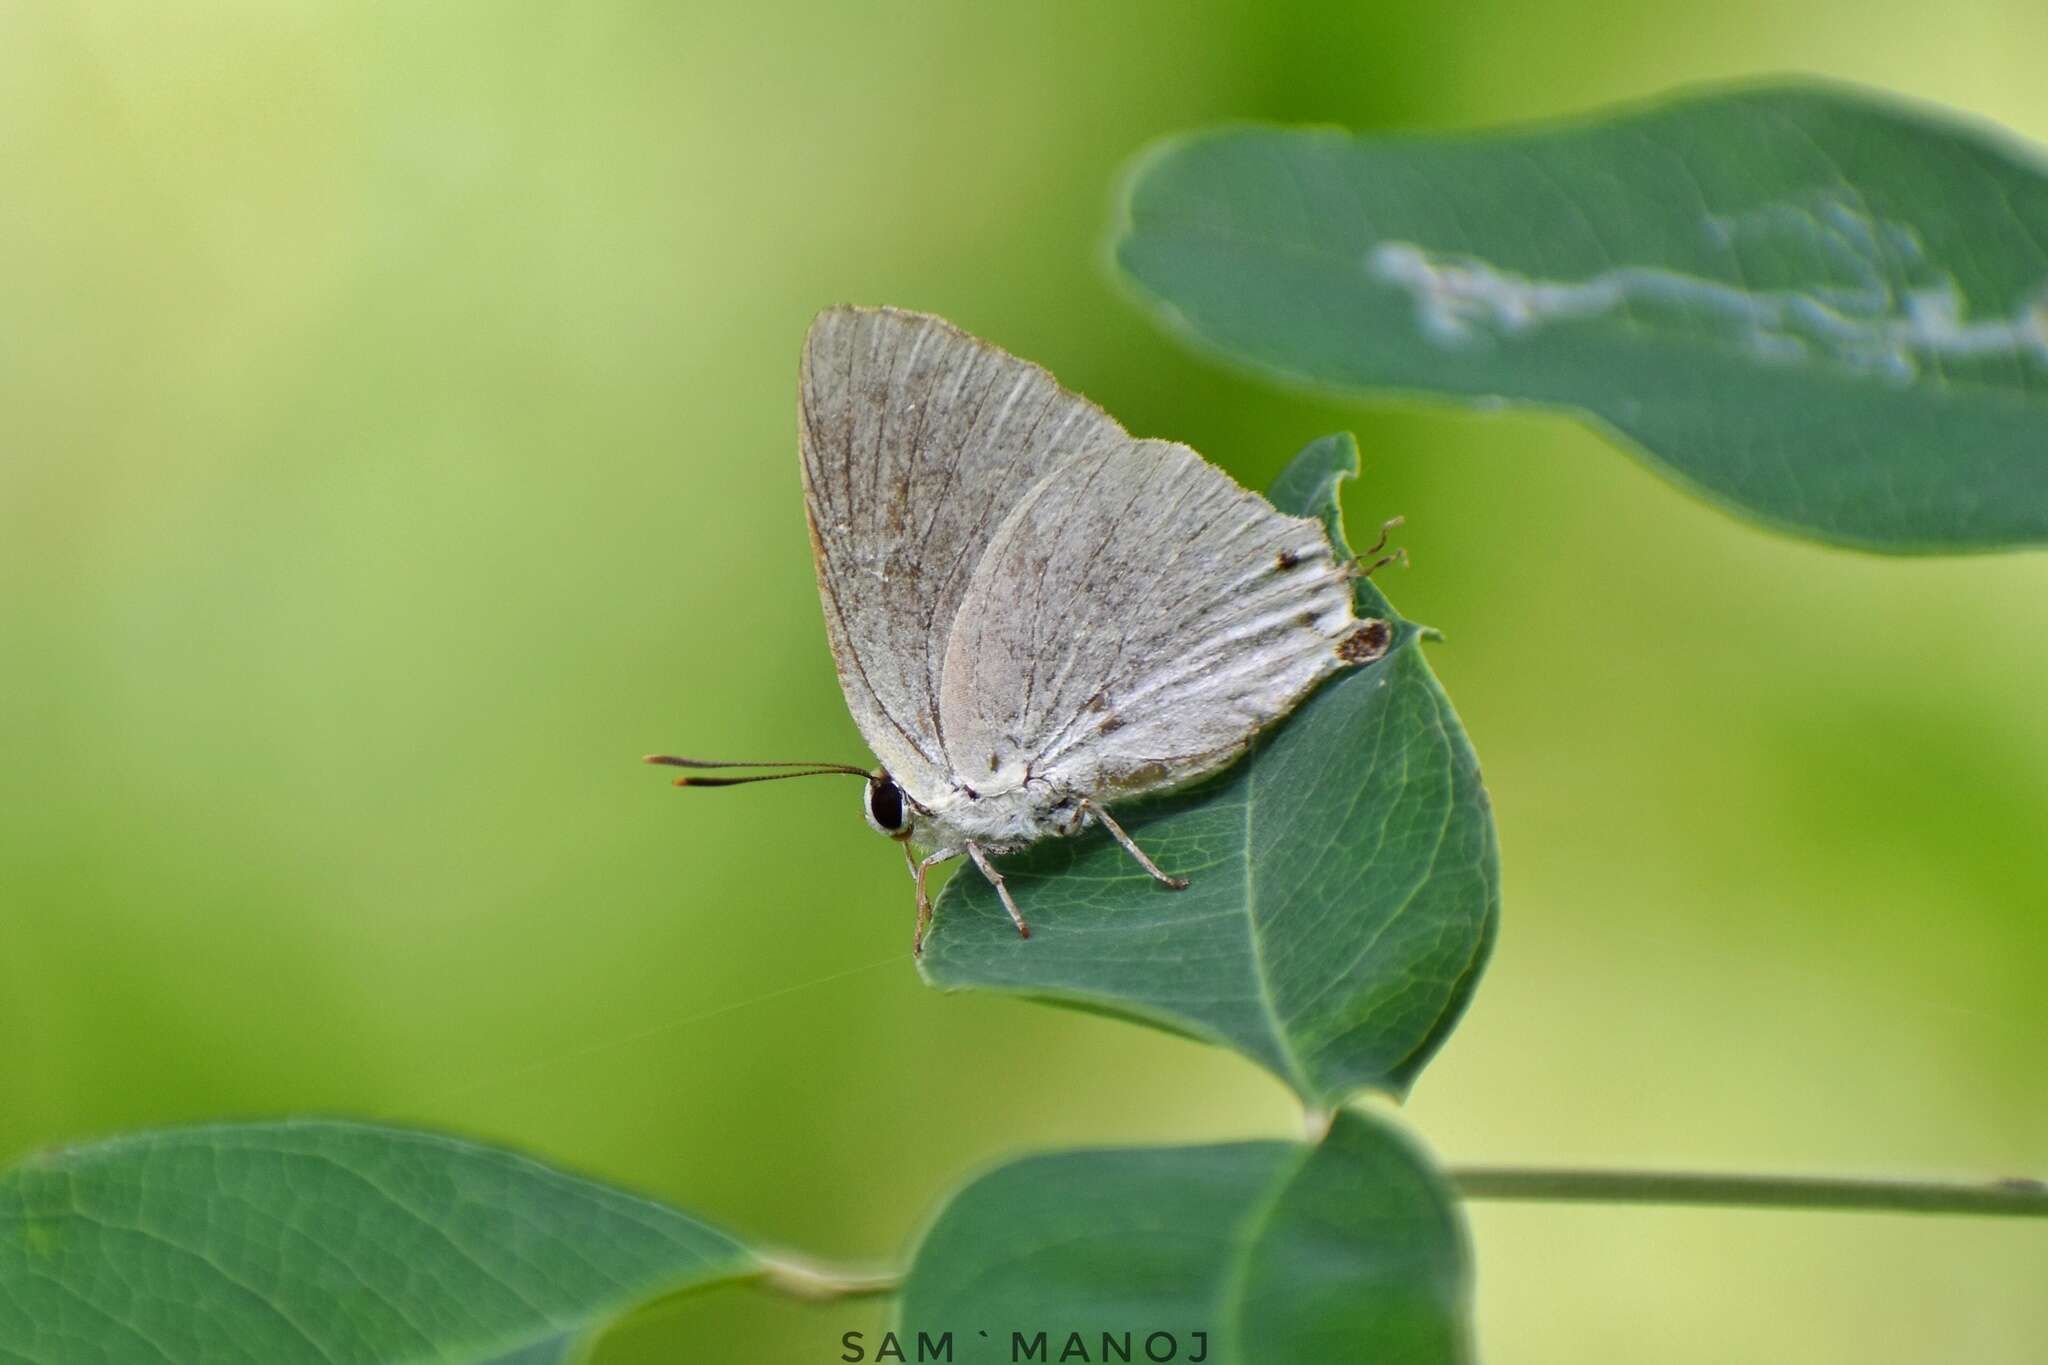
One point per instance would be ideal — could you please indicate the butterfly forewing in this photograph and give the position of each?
(917, 441)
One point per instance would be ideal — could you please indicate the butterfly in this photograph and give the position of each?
(1034, 614)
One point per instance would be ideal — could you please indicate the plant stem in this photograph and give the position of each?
(811, 1280)
(2008, 1198)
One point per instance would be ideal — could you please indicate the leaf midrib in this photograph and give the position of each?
(1230, 1305)
(1297, 1074)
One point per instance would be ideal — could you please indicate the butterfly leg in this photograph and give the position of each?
(1131, 847)
(995, 879)
(924, 899)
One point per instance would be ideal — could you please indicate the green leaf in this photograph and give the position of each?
(555, 1350)
(1820, 308)
(1343, 880)
(328, 1243)
(1275, 1252)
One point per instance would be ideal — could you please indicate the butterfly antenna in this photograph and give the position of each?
(790, 770)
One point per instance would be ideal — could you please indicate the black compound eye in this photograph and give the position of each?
(884, 806)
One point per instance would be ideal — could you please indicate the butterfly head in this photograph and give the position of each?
(886, 807)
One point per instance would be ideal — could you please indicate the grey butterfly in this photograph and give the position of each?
(1034, 614)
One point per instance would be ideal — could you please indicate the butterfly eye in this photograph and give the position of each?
(883, 805)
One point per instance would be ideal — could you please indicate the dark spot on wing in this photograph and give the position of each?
(995, 761)
(1307, 618)
(1287, 560)
(1143, 775)
(1098, 702)
(1110, 726)
(1367, 643)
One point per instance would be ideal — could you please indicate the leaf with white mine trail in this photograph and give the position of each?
(1822, 308)
(327, 1243)
(1343, 879)
(1253, 1253)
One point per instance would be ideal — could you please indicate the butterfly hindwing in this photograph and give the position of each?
(1136, 619)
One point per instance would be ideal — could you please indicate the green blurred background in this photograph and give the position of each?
(396, 441)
